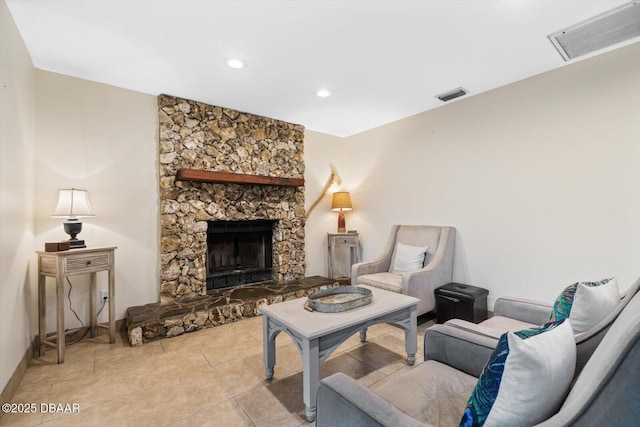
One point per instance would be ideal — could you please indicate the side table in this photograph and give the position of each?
(349, 240)
(60, 265)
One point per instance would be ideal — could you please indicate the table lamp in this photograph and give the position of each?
(341, 201)
(72, 204)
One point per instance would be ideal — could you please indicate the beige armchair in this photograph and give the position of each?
(436, 270)
(512, 314)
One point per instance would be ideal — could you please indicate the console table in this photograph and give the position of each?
(348, 240)
(60, 265)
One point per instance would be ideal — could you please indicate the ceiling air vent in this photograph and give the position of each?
(452, 94)
(599, 32)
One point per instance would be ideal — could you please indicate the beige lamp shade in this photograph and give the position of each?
(341, 200)
(73, 203)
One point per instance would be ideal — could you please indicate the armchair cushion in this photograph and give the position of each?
(585, 304)
(384, 280)
(542, 357)
(344, 402)
(408, 258)
(434, 393)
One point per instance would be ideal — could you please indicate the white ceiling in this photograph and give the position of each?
(381, 60)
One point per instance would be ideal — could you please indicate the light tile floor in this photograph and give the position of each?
(213, 377)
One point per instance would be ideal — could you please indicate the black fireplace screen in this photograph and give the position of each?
(239, 252)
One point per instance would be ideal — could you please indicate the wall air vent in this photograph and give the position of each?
(452, 94)
(599, 32)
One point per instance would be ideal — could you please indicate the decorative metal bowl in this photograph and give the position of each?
(338, 299)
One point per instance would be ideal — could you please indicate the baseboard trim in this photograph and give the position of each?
(15, 380)
(11, 387)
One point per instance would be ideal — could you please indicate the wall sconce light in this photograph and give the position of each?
(341, 201)
(72, 204)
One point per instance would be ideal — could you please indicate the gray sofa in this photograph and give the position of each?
(434, 393)
(436, 270)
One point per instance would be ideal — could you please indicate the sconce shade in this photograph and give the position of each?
(341, 200)
(73, 203)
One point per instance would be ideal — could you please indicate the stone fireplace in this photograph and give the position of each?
(232, 209)
(201, 137)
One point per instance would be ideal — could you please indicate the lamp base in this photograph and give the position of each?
(76, 244)
(342, 224)
(73, 227)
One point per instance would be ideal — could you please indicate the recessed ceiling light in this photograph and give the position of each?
(323, 93)
(235, 63)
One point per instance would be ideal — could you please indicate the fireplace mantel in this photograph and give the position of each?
(235, 178)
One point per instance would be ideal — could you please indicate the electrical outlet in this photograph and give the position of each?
(104, 295)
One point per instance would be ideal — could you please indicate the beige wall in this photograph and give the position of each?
(17, 112)
(320, 152)
(541, 178)
(102, 139)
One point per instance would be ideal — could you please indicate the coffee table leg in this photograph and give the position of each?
(310, 375)
(411, 336)
(269, 347)
(363, 335)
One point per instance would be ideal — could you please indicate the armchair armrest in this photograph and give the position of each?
(461, 349)
(434, 273)
(421, 284)
(342, 401)
(437, 272)
(376, 266)
(524, 310)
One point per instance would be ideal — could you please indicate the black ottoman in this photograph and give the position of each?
(458, 301)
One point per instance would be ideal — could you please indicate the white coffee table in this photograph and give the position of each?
(317, 334)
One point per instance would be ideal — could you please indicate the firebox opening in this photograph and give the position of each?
(239, 252)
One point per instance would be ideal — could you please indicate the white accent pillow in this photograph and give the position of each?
(526, 379)
(585, 304)
(591, 304)
(408, 258)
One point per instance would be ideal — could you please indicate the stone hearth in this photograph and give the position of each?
(163, 320)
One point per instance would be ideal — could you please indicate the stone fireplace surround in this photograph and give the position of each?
(202, 137)
(198, 136)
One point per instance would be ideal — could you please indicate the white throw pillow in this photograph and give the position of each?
(586, 303)
(408, 258)
(526, 379)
